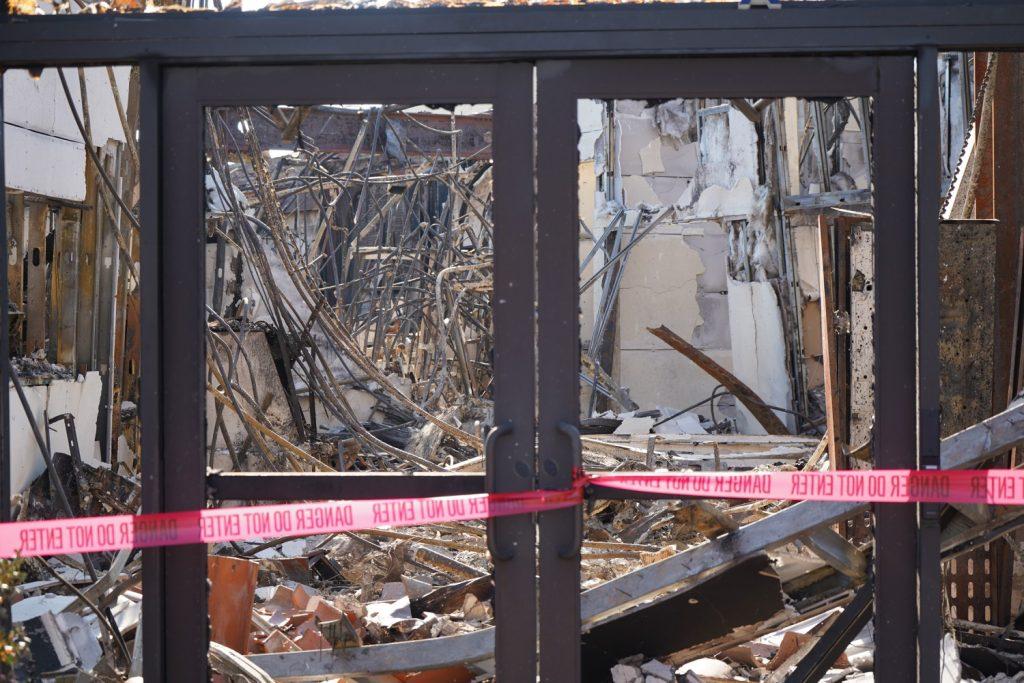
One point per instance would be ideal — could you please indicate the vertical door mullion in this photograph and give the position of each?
(175, 624)
(929, 185)
(894, 442)
(558, 363)
(513, 539)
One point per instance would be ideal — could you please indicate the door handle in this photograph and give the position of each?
(572, 549)
(497, 431)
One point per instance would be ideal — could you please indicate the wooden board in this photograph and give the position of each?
(63, 286)
(829, 347)
(35, 279)
(85, 301)
(744, 394)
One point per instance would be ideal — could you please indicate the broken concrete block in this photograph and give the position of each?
(415, 588)
(312, 640)
(392, 590)
(323, 610)
(277, 641)
(278, 596)
(687, 423)
(301, 595)
(635, 425)
(658, 670)
(388, 614)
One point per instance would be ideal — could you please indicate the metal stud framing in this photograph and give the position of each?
(178, 57)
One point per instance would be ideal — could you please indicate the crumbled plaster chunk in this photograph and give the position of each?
(656, 669)
(623, 673)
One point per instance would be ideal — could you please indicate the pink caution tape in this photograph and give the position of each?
(93, 534)
(999, 487)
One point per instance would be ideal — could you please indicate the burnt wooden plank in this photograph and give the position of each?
(829, 347)
(85, 303)
(35, 277)
(763, 414)
(63, 283)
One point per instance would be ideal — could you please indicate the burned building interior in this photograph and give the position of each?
(297, 251)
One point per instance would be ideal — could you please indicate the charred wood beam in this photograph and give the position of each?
(695, 564)
(761, 412)
(747, 109)
(982, 441)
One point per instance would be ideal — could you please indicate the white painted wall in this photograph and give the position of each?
(79, 397)
(44, 152)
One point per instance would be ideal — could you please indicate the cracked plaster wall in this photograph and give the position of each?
(703, 162)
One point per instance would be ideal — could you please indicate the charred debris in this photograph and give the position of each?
(726, 324)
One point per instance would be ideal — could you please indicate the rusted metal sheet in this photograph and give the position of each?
(977, 583)
(967, 256)
(232, 588)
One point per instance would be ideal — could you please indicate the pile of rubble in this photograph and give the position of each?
(349, 329)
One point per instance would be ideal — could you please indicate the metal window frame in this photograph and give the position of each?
(907, 28)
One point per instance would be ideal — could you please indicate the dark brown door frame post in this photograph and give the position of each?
(894, 440)
(175, 478)
(929, 186)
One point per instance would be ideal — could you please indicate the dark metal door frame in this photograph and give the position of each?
(175, 476)
(890, 81)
